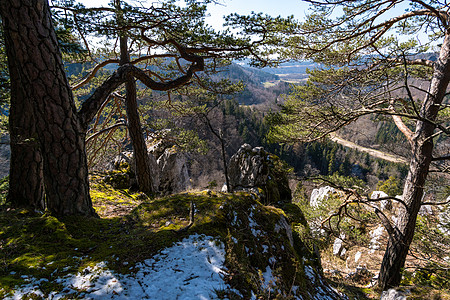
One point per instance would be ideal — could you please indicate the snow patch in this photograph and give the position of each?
(190, 269)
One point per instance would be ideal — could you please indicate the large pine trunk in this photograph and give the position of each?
(422, 151)
(26, 185)
(33, 50)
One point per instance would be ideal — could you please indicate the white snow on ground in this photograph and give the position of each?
(190, 269)
(253, 224)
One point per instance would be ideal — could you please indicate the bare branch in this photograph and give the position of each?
(447, 157)
(94, 71)
(381, 29)
(105, 130)
(403, 128)
(437, 203)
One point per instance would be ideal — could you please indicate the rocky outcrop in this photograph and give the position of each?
(267, 258)
(320, 194)
(393, 294)
(168, 166)
(385, 204)
(338, 246)
(256, 170)
(174, 176)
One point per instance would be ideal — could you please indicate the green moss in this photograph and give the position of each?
(47, 247)
(256, 240)
(4, 186)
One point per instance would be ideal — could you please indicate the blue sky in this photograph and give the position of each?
(272, 7)
(284, 8)
(217, 11)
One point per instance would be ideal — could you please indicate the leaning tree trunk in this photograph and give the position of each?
(401, 237)
(33, 49)
(26, 185)
(141, 158)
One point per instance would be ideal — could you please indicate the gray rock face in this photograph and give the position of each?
(247, 169)
(174, 176)
(168, 166)
(376, 235)
(258, 171)
(5, 154)
(320, 194)
(338, 247)
(385, 204)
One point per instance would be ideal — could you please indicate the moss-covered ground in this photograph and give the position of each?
(133, 227)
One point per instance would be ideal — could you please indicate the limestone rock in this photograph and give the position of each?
(168, 166)
(338, 246)
(384, 204)
(256, 170)
(269, 255)
(174, 176)
(444, 218)
(320, 194)
(284, 224)
(376, 235)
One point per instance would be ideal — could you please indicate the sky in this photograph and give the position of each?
(282, 8)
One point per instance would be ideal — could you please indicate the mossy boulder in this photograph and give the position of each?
(265, 256)
(256, 170)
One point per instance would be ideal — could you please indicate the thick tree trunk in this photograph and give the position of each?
(422, 144)
(26, 185)
(33, 49)
(141, 159)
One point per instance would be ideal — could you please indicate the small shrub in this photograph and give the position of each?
(391, 186)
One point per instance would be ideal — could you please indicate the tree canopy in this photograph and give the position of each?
(372, 62)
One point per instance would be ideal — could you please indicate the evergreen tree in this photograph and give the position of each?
(364, 66)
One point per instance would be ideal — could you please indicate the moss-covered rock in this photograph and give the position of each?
(264, 256)
(258, 171)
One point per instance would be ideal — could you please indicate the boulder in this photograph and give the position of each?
(385, 204)
(320, 194)
(174, 176)
(376, 235)
(168, 166)
(256, 170)
(338, 246)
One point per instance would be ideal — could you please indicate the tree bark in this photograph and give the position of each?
(422, 147)
(33, 49)
(141, 158)
(47, 102)
(26, 185)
